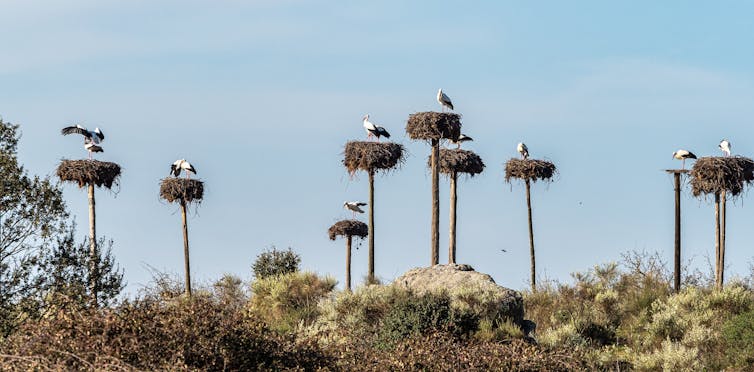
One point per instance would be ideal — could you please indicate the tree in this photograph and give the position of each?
(275, 262)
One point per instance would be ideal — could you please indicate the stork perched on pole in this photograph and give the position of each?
(682, 155)
(444, 100)
(92, 138)
(182, 164)
(462, 138)
(523, 150)
(374, 130)
(725, 147)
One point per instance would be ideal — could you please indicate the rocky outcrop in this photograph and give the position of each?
(467, 289)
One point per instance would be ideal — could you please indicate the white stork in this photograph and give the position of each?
(374, 130)
(444, 100)
(92, 138)
(182, 164)
(682, 155)
(462, 138)
(354, 207)
(523, 150)
(725, 146)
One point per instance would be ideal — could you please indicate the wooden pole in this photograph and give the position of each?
(435, 249)
(371, 226)
(348, 263)
(531, 239)
(93, 254)
(718, 285)
(187, 264)
(677, 258)
(453, 204)
(723, 215)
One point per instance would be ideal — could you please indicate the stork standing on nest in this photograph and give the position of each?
(725, 147)
(462, 138)
(682, 155)
(444, 100)
(92, 138)
(374, 130)
(523, 150)
(182, 164)
(354, 207)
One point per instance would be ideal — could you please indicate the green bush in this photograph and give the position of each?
(274, 262)
(738, 333)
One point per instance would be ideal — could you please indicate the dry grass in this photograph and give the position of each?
(172, 189)
(711, 175)
(459, 161)
(529, 170)
(372, 156)
(433, 126)
(348, 228)
(89, 172)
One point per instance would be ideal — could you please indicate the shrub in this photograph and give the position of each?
(738, 334)
(287, 300)
(274, 262)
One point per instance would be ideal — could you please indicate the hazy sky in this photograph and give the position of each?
(261, 96)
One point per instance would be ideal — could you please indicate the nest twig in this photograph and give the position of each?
(529, 170)
(181, 189)
(713, 174)
(433, 126)
(459, 161)
(89, 172)
(348, 228)
(372, 156)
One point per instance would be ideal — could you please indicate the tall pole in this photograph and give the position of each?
(723, 215)
(453, 203)
(371, 226)
(677, 258)
(531, 239)
(435, 252)
(348, 263)
(93, 255)
(187, 265)
(718, 283)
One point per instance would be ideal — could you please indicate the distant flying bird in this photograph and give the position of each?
(182, 164)
(354, 207)
(725, 146)
(682, 155)
(462, 138)
(523, 150)
(92, 138)
(374, 130)
(444, 100)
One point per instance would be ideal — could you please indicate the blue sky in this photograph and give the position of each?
(261, 96)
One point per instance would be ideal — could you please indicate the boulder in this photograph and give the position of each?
(467, 288)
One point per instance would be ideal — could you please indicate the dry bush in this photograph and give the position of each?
(529, 170)
(713, 174)
(348, 228)
(434, 126)
(172, 189)
(459, 161)
(89, 172)
(372, 156)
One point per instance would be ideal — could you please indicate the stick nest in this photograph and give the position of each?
(372, 156)
(172, 189)
(89, 172)
(458, 161)
(713, 174)
(529, 170)
(433, 126)
(348, 228)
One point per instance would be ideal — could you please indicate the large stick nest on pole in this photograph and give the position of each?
(172, 189)
(372, 156)
(89, 172)
(433, 126)
(713, 174)
(458, 161)
(348, 228)
(529, 170)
